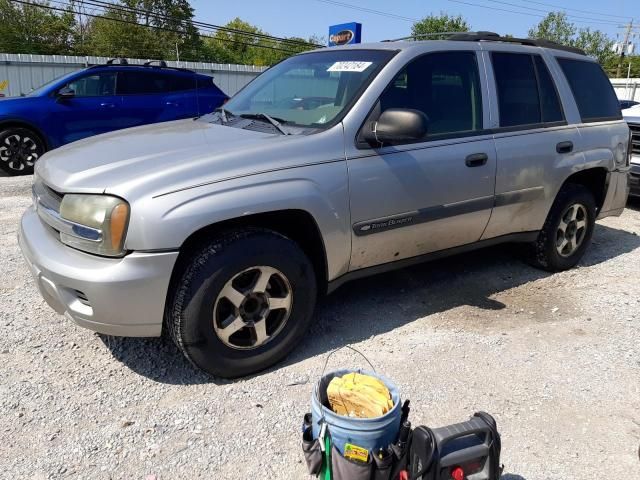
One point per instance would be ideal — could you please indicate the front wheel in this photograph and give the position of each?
(567, 232)
(20, 148)
(244, 301)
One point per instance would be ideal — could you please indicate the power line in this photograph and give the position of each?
(604, 22)
(49, 7)
(370, 10)
(518, 12)
(576, 9)
(208, 26)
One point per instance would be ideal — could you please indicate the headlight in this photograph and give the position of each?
(98, 223)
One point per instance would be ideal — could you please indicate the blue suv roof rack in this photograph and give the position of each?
(122, 62)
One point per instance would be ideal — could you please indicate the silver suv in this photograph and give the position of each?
(332, 165)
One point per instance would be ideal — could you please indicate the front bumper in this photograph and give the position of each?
(114, 296)
(634, 177)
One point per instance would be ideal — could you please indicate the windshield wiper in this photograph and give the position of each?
(273, 121)
(224, 114)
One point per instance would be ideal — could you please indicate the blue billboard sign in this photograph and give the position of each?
(345, 34)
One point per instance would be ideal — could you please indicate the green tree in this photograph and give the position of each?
(441, 23)
(557, 28)
(33, 29)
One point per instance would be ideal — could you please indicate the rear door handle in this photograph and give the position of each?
(476, 160)
(564, 147)
(172, 104)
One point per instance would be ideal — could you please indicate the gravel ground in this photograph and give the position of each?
(556, 359)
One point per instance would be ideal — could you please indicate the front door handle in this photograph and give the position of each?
(172, 104)
(564, 147)
(107, 105)
(476, 160)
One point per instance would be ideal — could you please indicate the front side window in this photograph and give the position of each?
(445, 87)
(98, 85)
(310, 90)
(592, 90)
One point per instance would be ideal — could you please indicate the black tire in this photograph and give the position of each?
(545, 253)
(190, 311)
(20, 148)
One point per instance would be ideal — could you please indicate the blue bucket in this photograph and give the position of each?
(369, 433)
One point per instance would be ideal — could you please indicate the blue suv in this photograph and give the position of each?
(96, 100)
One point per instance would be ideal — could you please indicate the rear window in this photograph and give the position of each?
(592, 90)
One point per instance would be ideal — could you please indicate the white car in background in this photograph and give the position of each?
(632, 116)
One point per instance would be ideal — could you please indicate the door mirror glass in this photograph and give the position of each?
(398, 125)
(66, 92)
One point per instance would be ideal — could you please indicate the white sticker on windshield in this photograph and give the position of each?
(349, 67)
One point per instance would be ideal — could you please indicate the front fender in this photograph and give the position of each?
(166, 221)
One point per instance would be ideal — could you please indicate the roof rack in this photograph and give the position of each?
(150, 63)
(122, 62)
(494, 37)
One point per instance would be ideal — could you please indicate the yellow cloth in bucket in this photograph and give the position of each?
(358, 395)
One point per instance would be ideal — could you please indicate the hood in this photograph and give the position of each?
(632, 115)
(161, 158)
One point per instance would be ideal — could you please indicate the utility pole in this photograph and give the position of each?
(625, 44)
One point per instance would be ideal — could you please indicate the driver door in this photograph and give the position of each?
(410, 199)
(93, 109)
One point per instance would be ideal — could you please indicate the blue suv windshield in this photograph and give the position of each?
(310, 90)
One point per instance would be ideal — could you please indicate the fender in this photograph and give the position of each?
(165, 222)
(27, 124)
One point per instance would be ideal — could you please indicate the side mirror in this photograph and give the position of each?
(398, 125)
(66, 92)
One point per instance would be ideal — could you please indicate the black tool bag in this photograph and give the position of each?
(456, 451)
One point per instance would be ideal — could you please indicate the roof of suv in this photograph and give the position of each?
(408, 43)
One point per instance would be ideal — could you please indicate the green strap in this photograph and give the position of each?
(325, 472)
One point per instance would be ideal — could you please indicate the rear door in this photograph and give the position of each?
(153, 96)
(93, 109)
(412, 199)
(537, 148)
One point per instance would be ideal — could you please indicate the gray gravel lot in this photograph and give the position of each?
(556, 358)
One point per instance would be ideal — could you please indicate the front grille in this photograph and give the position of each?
(635, 138)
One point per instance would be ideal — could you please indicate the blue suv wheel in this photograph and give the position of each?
(20, 148)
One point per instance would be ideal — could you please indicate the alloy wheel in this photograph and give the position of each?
(19, 152)
(252, 308)
(571, 229)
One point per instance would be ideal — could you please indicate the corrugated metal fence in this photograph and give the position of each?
(627, 88)
(21, 73)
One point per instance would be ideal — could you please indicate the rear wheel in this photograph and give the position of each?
(567, 232)
(20, 148)
(244, 302)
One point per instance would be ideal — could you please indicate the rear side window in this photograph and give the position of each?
(526, 92)
(140, 83)
(205, 82)
(179, 83)
(592, 90)
(445, 86)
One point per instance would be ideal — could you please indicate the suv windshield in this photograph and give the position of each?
(310, 90)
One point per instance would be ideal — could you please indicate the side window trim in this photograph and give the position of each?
(528, 126)
(484, 100)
